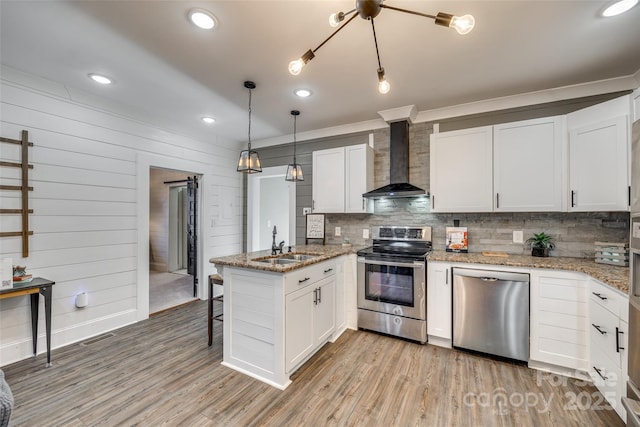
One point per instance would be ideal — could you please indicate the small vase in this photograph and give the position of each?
(540, 252)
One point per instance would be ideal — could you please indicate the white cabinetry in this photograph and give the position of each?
(340, 177)
(608, 316)
(559, 318)
(328, 180)
(439, 303)
(527, 165)
(599, 156)
(461, 170)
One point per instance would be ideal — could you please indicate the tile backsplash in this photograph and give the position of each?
(574, 233)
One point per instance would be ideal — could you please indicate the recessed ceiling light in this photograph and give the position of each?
(98, 78)
(619, 7)
(202, 19)
(303, 93)
(208, 120)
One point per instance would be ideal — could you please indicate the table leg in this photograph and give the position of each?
(47, 312)
(35, 299)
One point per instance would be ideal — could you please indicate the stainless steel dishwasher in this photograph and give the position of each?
(491, 312)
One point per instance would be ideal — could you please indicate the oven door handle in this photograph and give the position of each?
(415, 264)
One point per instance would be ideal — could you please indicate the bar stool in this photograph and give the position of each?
(214, 279)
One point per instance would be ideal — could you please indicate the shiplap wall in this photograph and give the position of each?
(86, 210)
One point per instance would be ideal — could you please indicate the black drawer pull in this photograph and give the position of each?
(618, 332)
(329, 270)
(303, 280)
(600, 373)
(598, 329)
(599, 296)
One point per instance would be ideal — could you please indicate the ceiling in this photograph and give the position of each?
(166, 71)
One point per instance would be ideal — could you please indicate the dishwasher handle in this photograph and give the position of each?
(491, 275)
(489, 279)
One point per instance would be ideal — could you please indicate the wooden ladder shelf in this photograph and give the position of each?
(23, 188)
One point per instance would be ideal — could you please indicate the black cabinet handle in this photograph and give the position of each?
(573, 204)
(599, 296)
(328, 270)
(446, 275)
(433, 201)
(497, 200)
(600, 373)
(598, 329)
(315, 296)
(319, 295)
(303, 280)
(618, 332)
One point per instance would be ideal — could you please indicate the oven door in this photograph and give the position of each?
(393, 287)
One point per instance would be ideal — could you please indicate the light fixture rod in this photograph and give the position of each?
(426, 15)
(335, 32)
(375, 40)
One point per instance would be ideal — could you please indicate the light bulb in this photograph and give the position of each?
(619, 7)
(384, 86)
(335, 19)
(296, 66)
(463, 24)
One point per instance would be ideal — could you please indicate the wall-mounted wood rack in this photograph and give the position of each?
(23, 188)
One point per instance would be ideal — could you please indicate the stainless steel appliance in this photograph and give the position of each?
(491, 312)
(631, 403)
(392, 282)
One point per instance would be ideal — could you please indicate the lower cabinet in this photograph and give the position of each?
(439, 303)
(309, 320)
(608, 349)
(559, 317)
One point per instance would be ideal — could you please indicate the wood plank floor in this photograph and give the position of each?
(161, 372)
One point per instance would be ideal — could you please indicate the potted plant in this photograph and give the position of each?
(541, 244)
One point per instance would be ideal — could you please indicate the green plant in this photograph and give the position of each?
(541, 240)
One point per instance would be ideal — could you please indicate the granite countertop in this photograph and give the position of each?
(323, 252)
(614, 276)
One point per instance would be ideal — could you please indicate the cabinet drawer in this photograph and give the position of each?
(606, 297)
(298, 279)
(608, 378)
(604, 327)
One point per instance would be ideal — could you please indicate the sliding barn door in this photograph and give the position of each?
(192, 235)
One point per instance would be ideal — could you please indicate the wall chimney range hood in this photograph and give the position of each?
(399, 166)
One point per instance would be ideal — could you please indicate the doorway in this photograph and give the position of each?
(173, 275)
(271, 202)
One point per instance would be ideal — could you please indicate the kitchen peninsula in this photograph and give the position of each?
(280, 309)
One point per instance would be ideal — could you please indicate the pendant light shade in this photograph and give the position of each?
(294, 170)
(249, 161)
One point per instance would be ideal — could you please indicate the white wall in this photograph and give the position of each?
(89, 209)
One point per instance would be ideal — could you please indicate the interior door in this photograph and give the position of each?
(192, 235)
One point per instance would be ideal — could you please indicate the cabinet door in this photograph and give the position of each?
(299, 339)
(359, 177)
(598, 179)
(559, 324)
(461, 170)
(527, 165)
(439, 300)
(328, 180)
(325, 310)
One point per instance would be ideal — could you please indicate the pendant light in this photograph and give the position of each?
(294, 170)
(249, 161)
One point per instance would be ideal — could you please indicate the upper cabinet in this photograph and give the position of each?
(340, 177)
(599, 157)
(527, 165)
(504, 168)
(461, 170)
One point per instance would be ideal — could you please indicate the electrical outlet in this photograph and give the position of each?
(338, 231)
(306, 211)
(518, 236)
(365, 233)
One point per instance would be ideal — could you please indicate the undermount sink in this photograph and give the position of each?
(275, 261)
(298, 257)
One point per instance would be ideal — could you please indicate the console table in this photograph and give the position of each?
(34, 288)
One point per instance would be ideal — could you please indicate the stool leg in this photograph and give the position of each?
(210, 317)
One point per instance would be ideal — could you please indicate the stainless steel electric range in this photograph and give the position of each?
(392, 282)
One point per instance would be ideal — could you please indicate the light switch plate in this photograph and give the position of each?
(365, 233)
(338, 231)
(518, 236)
